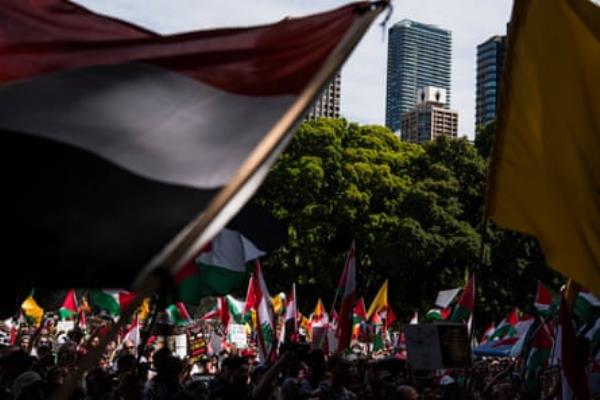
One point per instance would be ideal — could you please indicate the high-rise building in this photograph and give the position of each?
(429, 118)
(328, 103)
(490, 57)
(418, 55)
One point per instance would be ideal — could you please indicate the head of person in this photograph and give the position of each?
(405, 392)
(98, 383)
(239, 370)
(67, 355)
(126, 363)
(129, 347)
(340, 371)
(24, 344)
(28, 386)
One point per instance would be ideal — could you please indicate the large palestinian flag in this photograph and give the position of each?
(116, 137)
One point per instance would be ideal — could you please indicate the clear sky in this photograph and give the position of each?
(363, 77)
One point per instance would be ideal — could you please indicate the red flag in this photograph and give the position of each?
(574, 376)
(70, 302)
(347, 285)
(291, 316)
(125, 298)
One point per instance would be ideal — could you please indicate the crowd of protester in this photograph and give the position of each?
(41, 361)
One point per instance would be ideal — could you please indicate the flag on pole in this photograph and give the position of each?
(586, 305)
(553, 54)
(347, 287)
(291, 317)
(445, 297)
(69, 308)
(359, 317)
(488, 332)
(466, 304)
(32, 310)
(111, 125)
(414, 319)
(264, 314)
(178, 314)
(506, 327)
(218, 312)
(319, 316)
(437, 314)
(546, 302)
(144, 310)
(574, 377)
(539, 355)
(133, 335)
(219, 269)
(380, 302)
(112, 301)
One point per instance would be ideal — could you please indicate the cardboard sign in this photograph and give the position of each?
(65, 326)
(237, 335)
(437, 346)
(319, 337)
(181, 345)
(197, 343)
(215, 344)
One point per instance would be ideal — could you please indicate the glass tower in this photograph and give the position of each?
(419, 55)
(490, 57)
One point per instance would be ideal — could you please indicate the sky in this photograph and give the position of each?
(364, 75)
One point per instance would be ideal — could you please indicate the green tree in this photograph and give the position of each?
(485, 138)
(415, 212)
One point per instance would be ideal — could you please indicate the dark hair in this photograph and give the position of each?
(235, 362)
(126, 362)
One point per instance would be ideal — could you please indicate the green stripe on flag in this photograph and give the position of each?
(106, 301)
(210, 281)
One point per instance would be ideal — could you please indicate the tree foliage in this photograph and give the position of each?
(415, 212)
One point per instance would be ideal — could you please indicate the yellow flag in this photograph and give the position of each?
(85, 306)
(32, 310)
(380, 301)
(278, 302)
(144, 310)
(319, 311)
(545, 170)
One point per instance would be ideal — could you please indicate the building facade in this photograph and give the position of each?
(328, 103)
(419, 55)
(429, 118)
(490, 58)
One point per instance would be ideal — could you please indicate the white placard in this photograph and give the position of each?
(237, 335)
(445, 297)
(65, 326)
(181, 345)
(437, 346)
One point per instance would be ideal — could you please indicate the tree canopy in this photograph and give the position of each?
(415, 212)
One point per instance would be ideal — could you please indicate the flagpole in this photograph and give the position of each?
(148, 331)
(152, 284)
(248, 177)
(231, 198)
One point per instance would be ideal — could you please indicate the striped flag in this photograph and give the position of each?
(291, 317)
(346, 286)
(120, 137)
(69, 308)
(265, 317)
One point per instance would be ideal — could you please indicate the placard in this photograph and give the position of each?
(437, 346)
(318, 337)
(65, 326)
(181, 345)
(197, 342)
(237, 335)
